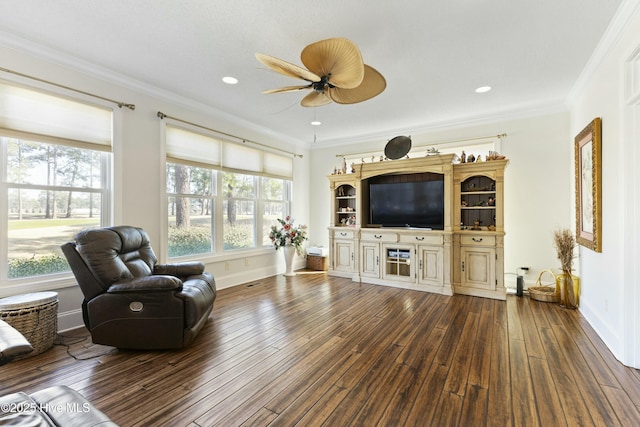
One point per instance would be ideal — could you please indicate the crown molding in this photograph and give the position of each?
(524, 111)
(625, 13)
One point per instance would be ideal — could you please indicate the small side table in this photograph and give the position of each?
(35, 315)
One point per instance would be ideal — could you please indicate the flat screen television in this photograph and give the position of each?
(407, 204)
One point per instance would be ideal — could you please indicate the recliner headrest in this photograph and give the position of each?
(116, 253)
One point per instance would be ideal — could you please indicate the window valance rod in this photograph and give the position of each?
(118, 103)
(162, 116)
(502, 135)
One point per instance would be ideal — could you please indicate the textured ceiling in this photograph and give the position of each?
(432, 53)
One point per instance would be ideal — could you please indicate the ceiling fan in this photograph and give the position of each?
(335, 72)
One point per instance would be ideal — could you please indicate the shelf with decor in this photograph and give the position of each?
(477, 203)
(344, 189)
(346, 207)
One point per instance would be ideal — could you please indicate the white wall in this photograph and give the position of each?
(610, 294)
(138, 167)
(538, 192)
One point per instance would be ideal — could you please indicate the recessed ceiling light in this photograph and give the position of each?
(483, 89)
(230, 80)
(316, 123)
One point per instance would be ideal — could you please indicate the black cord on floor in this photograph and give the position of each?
(61, 340)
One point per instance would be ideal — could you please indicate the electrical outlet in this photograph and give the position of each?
(227, 265)
(246, 262)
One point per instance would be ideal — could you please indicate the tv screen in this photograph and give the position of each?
(407, 204)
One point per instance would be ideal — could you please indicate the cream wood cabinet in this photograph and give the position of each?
(406, 258)
(399, 264)
(344, 260)
(465, 256)
(343, 253)
(478, 263)
(431, 265)
(480, 258)
(370, 259)
(478, 268)
(371, 251)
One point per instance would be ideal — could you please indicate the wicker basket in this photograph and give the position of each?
(35, 316)
(319, 263)
(545, 293)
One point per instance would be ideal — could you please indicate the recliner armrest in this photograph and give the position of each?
(155, 283)
(180, 269)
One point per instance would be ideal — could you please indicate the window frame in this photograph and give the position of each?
(286, 201)
(213, 198)
(104, 190)
(242, 198)
(59, 280)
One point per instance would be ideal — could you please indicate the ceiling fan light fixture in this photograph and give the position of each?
(334, 72)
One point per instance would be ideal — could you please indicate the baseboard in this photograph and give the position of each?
(71, 319)
(240, 277)
(609, 336)
(244, 276)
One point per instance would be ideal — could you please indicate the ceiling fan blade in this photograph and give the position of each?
(286, 89)
(287, 68)
(338, 58)
(315, 99)
(372, 85)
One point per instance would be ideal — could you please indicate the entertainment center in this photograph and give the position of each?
(426, 224)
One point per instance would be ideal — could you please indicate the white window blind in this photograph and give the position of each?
(241, 158)
(198, 149)
(193, 147)
(27, 111)
(278, 166)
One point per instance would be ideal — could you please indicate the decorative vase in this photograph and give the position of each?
(289, 251)
(569, 290)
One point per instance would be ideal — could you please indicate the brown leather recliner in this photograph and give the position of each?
(130, 301)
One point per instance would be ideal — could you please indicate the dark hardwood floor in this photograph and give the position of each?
(318, 350)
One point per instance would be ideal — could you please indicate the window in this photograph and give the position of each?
(239, 216)
(275, 197)
(221, 196)
(191, 202)
(54, 181)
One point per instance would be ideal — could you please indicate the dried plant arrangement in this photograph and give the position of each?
(565, 242)
(567, 285)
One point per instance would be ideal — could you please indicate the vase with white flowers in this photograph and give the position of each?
(289, 237)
